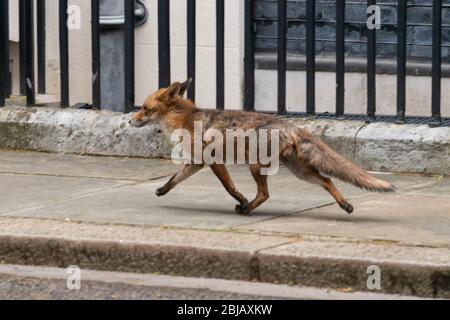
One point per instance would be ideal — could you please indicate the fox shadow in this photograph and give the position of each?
(223, 211)
(338, 216)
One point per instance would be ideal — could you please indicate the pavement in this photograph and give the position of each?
(102, 213)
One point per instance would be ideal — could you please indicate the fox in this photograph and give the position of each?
(305, 156)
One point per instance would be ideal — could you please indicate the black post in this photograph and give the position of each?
(401, 59)
(96, 70)
(249, 59)
(310, 57)
(41, 39)
(22, 47)
(64, 53)
(4, 51)
(29, 52)
(191, 46)
(129, 56)
(340, 57)
(437, 62)
(220, 55)
(164, 42)
(282, 30)
(371, 69)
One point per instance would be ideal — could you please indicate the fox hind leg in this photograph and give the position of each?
(262, 194)
(304, 172)
(328, 185)
(186, 172)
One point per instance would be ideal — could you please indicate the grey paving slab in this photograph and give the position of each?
(408, 218)
(19, 192)
(35, 163)
(116, 190)
(199, 203)
(440, 188)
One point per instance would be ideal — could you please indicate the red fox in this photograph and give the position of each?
(305, 156)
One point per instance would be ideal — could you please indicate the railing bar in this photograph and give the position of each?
(64, 53)
(164, 42)
(220, 55)
(96, 67)
(129, 56)
(29, 52)
(437, 61)
(282, 29)
(4, 51)
(249, 59)
(191, 43)
(310, 57)
(22, 47)
(401, 59)
(41, 42)
(371, 68)
(340, 57)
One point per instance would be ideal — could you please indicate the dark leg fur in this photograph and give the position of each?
(328, 185)
(186, 172)
(222, 174)
(263, 191)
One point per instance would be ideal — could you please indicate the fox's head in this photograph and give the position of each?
(160, 103)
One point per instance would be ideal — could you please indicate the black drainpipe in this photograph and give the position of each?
(112, 53)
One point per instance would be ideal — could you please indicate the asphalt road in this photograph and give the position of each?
(18, 288)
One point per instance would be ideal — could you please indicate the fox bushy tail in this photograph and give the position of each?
(324, 159)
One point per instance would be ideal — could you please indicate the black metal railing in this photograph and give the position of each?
(27, 16)
(435, 117)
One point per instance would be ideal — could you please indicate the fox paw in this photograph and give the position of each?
(347, 207)
(160, 192)
(243, 209)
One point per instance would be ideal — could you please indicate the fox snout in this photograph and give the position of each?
(139, 119)
(136, 123)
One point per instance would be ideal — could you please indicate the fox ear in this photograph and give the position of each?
(185, 86)
(173, 91)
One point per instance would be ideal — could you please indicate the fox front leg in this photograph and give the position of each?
(187, 171)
